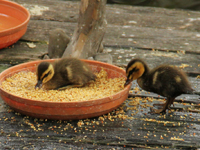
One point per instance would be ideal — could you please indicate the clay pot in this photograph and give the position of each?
(14, 20)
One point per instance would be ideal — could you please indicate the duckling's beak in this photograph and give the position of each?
(39, 84)
(127, 82)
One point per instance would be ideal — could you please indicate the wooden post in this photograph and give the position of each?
(88, 35)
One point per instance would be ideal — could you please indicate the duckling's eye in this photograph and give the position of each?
(46, 75)
(133, 70)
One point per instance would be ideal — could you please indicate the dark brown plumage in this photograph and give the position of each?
(64, 73)
(164, 80)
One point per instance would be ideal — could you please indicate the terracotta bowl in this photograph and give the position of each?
(13, 22)
(64, 110)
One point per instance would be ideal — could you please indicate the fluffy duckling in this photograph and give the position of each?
(63, 73)
(164, 80)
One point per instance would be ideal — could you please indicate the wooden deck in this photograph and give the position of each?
(158, 36)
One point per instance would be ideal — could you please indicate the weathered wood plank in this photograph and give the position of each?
(120, 15)
(173, 130)
(188, 62)
(131, 32)
(139, 27)
(136, 27)
(143, 37)
(177, 129)
(128, 25)
(21, 52)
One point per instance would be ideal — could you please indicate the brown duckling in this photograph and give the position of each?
(63, 73)
(164, 80)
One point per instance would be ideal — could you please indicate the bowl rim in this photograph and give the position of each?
(21, 25)
(106, 99)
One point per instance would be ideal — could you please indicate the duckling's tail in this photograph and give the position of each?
(196, 93)
(192, 91)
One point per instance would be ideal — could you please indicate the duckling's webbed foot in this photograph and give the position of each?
(157, 111)
(159, 105)
(165, 107)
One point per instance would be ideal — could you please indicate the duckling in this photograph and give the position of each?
(63, 73)
(164, 80)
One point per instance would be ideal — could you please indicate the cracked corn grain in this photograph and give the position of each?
(22, 84)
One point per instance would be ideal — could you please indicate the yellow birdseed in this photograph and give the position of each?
(23, 84)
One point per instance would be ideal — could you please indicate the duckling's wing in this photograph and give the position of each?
(82, 75)
(76, 72)
(169, 81)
